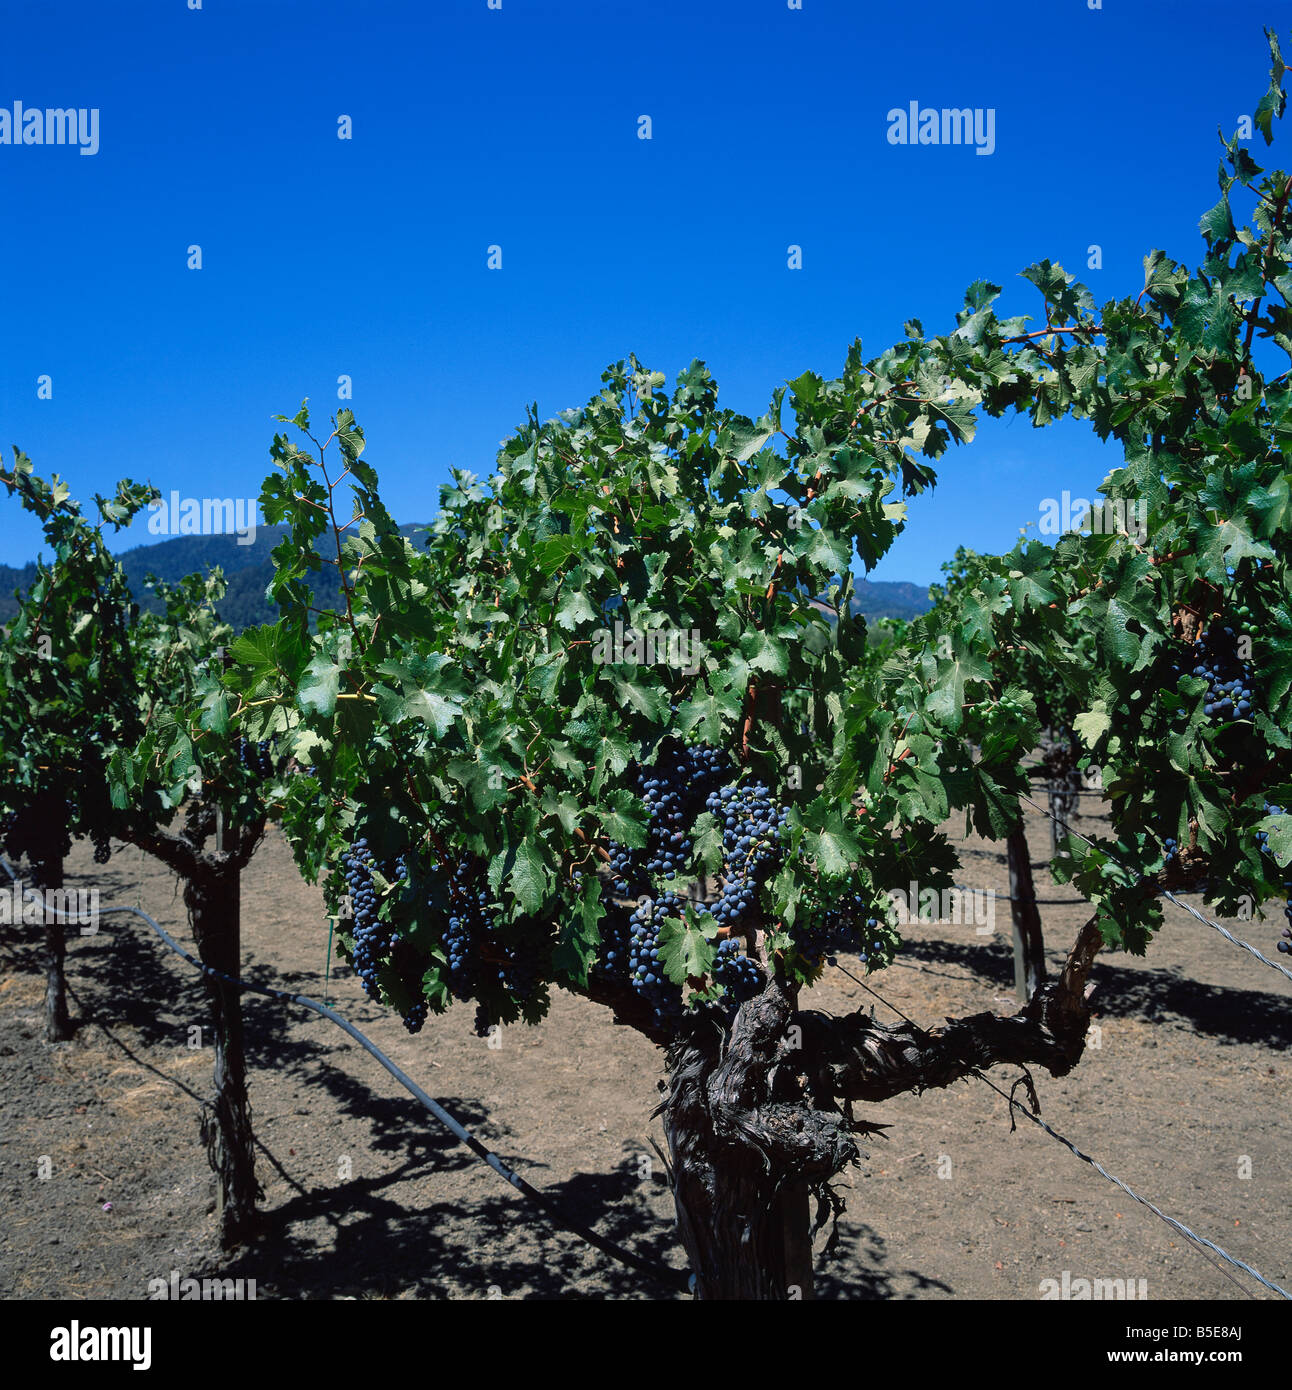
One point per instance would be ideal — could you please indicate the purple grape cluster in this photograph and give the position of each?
(645, 969)
(622, 866)
(521, 971)
(685, 781)
(845, 927)
(466, 926)
(371, 940)
(668, 845)
(616, 945)
(739, 977)
(483, 956)
(1214, 658)
(752, 826)
(375, 941)
(674, 790)
(257, 757)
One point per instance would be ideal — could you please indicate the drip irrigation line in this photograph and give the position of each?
(680, 1280)
(1197, 1242)
(1170, 896)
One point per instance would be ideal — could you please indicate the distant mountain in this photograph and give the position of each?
(890, 598)
(12, 578)
(249, 568)
(247, 571)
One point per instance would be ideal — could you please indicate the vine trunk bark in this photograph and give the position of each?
(1029, 944)
(747, 1149)
(212, 896)
(1064, 783)
(745, 1231)
(47, 865)
(1064, 793)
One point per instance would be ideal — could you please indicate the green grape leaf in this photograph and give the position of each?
(685, 952)
(578, 935)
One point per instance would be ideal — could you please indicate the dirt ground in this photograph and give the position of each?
(1184, 1098)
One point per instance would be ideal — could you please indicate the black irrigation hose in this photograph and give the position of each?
(677, 1279)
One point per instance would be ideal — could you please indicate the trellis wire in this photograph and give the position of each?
(1197, 1240)
(1143, 1201)
(1040, 902)
(1166, 893)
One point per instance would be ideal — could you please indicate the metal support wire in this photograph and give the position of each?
(1197, 1241)
(1170, 896)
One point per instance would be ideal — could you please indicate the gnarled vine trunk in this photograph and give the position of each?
(760, 1120)
(746, 1148)
(211, 893)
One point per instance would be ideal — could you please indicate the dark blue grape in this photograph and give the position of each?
(373, 940)
(848, 925)
(739, 977)
(257, 757)
(506, 964)
(467, 926)
(751, 847)
(1214, 658)
(645, 967)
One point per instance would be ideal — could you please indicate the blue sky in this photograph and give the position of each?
(519, 127)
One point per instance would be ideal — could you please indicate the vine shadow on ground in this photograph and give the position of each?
(862, 1277)
(1162, 994)
(498, 1245)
